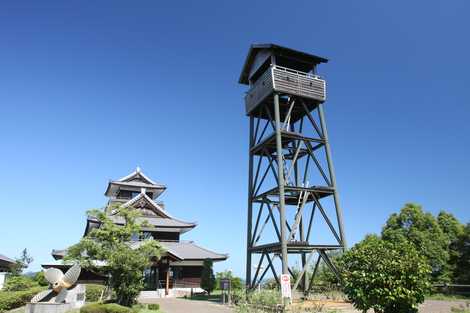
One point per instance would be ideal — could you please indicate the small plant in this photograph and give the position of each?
(155, 307)
(257, 301)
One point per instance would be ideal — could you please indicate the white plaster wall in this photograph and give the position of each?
(3, 276)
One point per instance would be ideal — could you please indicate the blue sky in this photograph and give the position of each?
(90, 90)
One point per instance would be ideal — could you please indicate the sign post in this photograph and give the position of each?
(286, 291)
(225, 286)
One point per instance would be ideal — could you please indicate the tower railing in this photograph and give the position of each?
(283, 79)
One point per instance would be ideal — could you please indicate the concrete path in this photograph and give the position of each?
(180, 305)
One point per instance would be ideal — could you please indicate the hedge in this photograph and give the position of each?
(19, 283)
(93, 292)
(154, 307)
(105, 308)
(13, 299)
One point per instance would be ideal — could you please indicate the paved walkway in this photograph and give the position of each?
(180, 305)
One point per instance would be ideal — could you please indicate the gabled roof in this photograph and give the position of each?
(188, 250)
(157, 218)
(134, 181)
(144, 201)
(138, 175)
(5, 259)
(277, 50)
(155, 223)
(182, 250)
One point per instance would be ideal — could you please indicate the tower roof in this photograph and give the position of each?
(294, 56)
(138, 175)
(135, 181)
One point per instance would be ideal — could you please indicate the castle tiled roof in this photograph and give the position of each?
(182, 250)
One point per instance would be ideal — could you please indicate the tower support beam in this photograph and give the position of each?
(250, 207)
(281, 184)
(339, 211)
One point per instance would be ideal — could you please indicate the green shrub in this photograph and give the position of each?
(40, 279)
(155, 307)
(264, 300)
(105, 308)
(13, 299)
(93, 308)
(18, 283)
(116, 308)
(389, 277)
(139, 308)
(264, 297)
(238, 296)
(93, 292)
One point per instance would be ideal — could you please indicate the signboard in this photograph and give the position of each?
(285, 286)
(225, 284)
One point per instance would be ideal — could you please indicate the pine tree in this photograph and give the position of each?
(207, 276)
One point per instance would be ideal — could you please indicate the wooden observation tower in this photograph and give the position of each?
(294, 214)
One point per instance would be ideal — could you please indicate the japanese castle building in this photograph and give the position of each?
(180, 267)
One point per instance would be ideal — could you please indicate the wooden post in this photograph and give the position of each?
(167, 284)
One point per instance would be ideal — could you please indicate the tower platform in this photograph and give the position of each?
(294, 247)
(293, 194)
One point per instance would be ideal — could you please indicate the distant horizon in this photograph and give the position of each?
(91, 90)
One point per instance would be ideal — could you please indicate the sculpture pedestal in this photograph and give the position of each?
(45, 307)
(66, 300)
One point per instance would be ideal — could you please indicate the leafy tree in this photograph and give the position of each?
(462, 268)
(21, 263)
(389, 277)
(453, 230)
(235, 281)
(450, 225)
(121, 260)
(423, 231)
(207, 276)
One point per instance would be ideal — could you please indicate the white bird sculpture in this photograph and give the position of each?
(59, 282)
